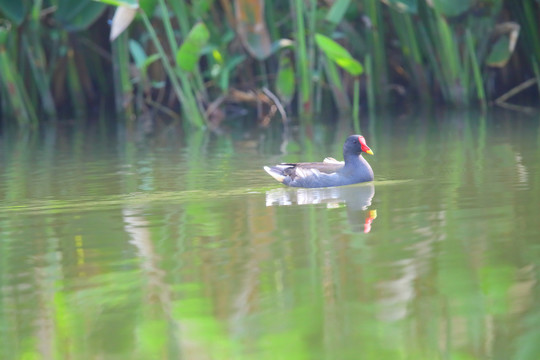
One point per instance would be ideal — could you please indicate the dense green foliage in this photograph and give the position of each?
(296, 57)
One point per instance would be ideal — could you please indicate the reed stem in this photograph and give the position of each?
(189, 106)
(356, 105)
(123, 89)
(303, 63)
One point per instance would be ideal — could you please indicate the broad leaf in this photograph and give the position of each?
(285, 80)
(451, 8)
(76, 15)
(201, 7)
(15, 11)
(337, 11)
(148, 6)
(189, 53)
(251, 28)
(504, 46)
(499, 53)
(352, 66)
(339, 55)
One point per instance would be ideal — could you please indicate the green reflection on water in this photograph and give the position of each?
(151, 250)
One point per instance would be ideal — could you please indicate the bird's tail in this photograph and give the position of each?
(275, 172)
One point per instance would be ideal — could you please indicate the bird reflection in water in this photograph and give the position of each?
(356, 199)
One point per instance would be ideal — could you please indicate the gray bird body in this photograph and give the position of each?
(355, 169)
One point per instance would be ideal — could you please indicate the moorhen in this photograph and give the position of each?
(330, 172)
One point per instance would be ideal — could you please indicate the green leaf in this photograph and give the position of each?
(405, 6)
(189, 53)
(234, 62)
(230, 65)
(76, 15)
(217, 56)
(285, 80)
(142, 61)
(339, 55)
(337, 11)
(500, 53)
(451, 8)
(201, 7)
(352, 66)
(137, 52)
(331, 48)
(15, 11)
(149, 60)
(148, 6)
(506, 35)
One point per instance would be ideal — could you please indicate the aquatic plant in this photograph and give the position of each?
(70, 57)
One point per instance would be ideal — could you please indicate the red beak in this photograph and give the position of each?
(363, 145)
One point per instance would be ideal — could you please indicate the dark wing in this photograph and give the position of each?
(287, 172)
(303, 169)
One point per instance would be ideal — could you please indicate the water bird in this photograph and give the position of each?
(331, 172)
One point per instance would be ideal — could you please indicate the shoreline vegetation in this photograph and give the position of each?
(196, 61)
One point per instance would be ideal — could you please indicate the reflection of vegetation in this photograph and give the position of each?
(57, 58)
(194, 265)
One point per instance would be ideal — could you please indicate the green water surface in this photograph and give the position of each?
(167, 246)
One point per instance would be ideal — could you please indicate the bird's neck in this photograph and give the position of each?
(352, 159)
